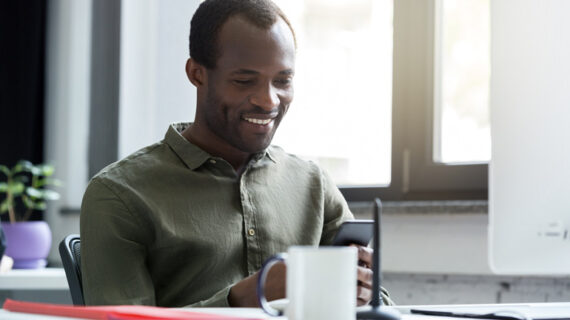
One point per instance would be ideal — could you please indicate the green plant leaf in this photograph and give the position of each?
(41, 183)
(28, 202)
(50, 195)
(46, 169)
(49, 182)
(21, 178)
(4, 206)
(23, 165)
(3, 187)
(17, 168)
(34, 193)
(36, 170)
(16, 187)
(5, 170)
(40, 205)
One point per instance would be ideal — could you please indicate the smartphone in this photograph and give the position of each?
(358, 232)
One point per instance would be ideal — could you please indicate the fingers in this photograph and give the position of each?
(364, 287)
(363, 295)
(365, 256)
(364, 277)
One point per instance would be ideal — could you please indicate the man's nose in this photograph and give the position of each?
(266, 97)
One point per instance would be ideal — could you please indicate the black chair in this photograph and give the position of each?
(70, 252)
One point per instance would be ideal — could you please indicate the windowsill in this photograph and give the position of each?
(393, 207)
(70, 211)
(424, 207)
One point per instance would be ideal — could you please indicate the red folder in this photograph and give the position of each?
(113, 312)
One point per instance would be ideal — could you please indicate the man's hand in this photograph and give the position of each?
(243, 293)
(364, 275)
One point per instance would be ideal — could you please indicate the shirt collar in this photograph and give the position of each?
(190, 153)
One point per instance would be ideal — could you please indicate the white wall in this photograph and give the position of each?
(67, 109)
(435, 243)
(154, 89)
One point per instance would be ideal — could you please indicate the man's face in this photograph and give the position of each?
(250, 90)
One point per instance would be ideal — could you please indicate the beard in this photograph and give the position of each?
(226, 121)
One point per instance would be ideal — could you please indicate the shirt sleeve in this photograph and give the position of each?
(336, 210)
(114, 244)
(218, 300)
(385, 296)
(113, 250)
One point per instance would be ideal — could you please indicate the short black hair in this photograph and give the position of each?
(212, 14)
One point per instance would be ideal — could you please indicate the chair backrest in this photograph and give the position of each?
(70, 252)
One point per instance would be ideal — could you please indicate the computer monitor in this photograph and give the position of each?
(529, 179)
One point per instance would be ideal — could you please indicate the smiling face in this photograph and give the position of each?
(244, 98)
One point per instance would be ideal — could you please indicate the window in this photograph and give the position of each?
(462, 73)
(415, 174)
(420, 132)
(341, 114)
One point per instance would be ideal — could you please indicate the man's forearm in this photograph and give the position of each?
(244, 293)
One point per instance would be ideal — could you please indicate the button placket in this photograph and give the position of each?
(251, 241)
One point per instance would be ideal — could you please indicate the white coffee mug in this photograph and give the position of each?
(321, 283)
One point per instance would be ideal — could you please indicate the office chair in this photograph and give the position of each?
(70, 252)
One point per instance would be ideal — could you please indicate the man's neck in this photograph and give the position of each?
(213, 145)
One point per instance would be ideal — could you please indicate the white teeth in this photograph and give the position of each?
(258, 121)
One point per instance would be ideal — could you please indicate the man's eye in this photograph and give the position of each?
(243, 82)
(283, 82)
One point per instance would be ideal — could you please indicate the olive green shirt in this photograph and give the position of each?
(171, 225)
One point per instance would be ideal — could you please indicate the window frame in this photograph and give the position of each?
(414, 173)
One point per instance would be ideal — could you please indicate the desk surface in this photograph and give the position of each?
(244, 312)
(37, 279)
(547, 308)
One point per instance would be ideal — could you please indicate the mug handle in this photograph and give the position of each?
(280, 257)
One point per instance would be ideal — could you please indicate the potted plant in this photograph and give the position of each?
(22, 191)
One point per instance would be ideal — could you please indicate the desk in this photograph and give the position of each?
(245, 312)
(258, 313)
(38, 285)
(37, 279)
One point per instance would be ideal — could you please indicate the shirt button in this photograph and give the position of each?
(251, 232)
(212, 161)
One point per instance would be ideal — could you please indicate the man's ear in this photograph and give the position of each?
(195, 72)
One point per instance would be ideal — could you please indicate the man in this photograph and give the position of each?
(189, 221)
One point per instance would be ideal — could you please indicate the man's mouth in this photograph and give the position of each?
(258, 121)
